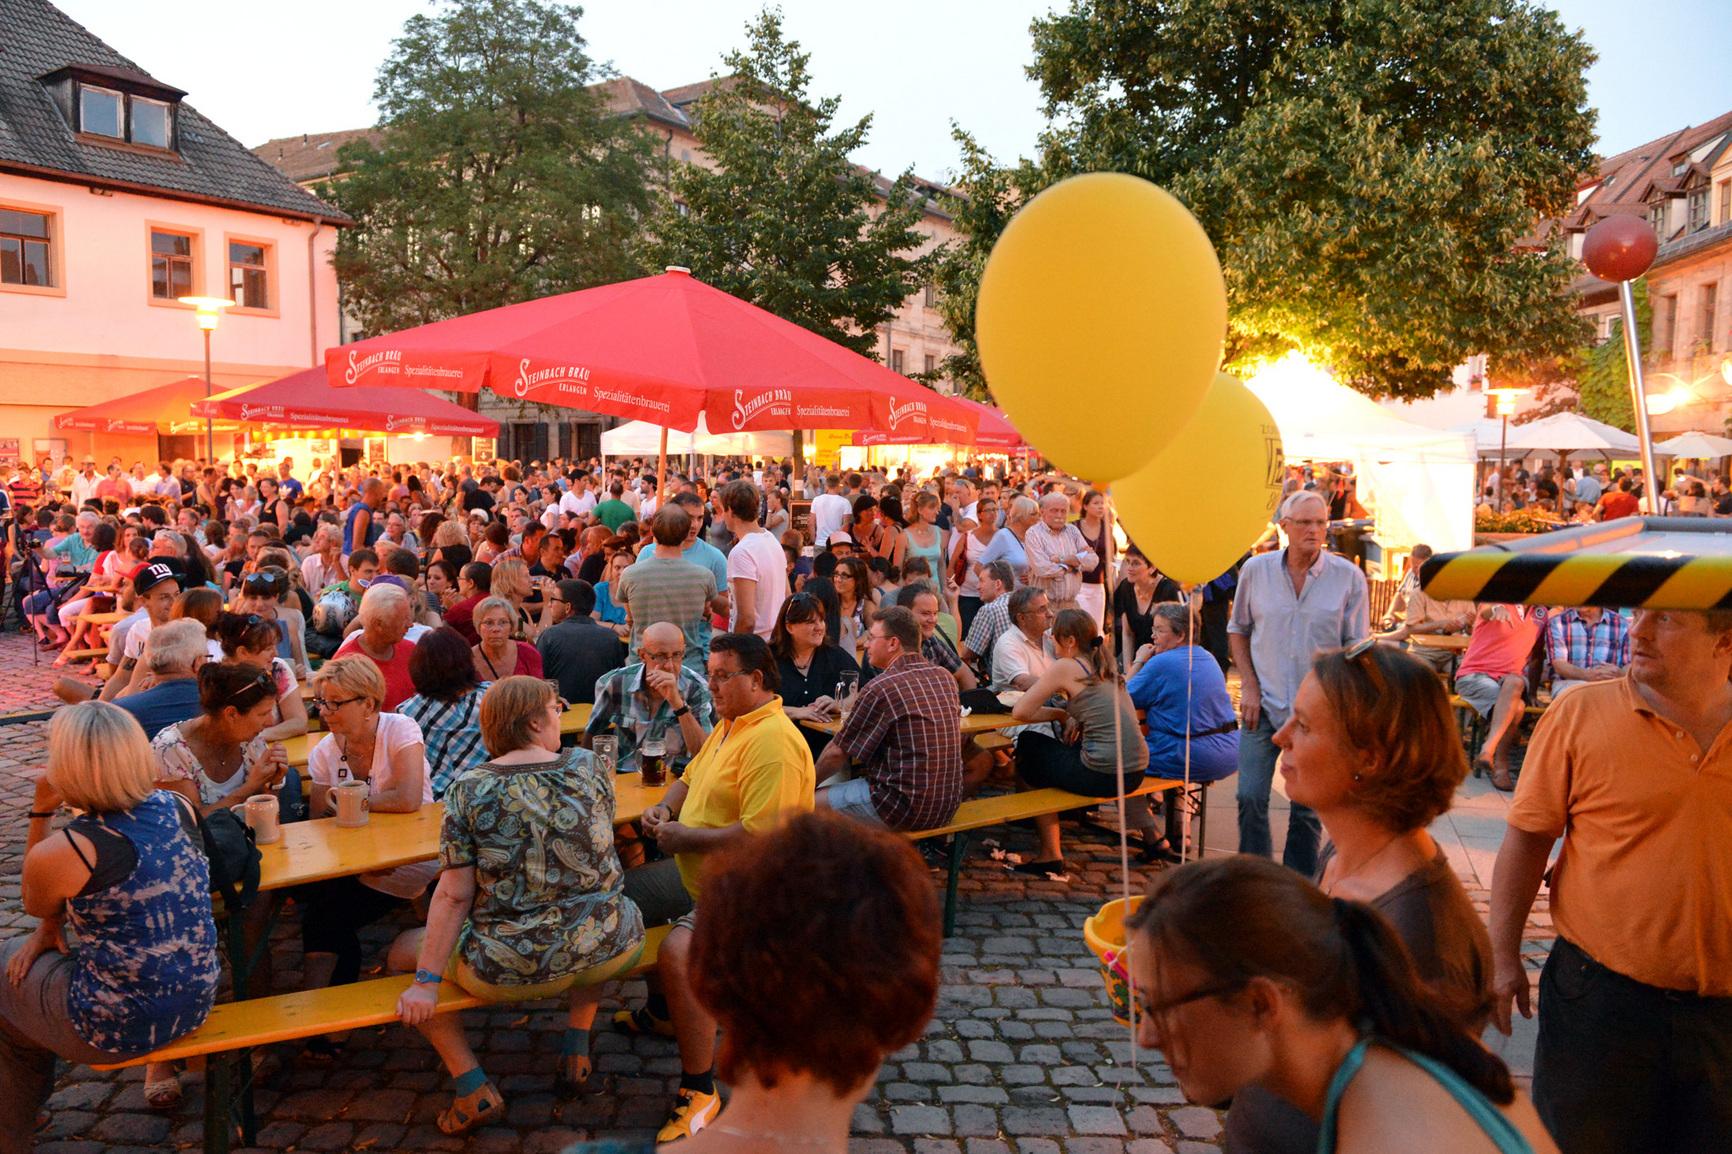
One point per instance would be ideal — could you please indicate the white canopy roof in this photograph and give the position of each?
(643, 439)
(1700, 446)
(1417, 481)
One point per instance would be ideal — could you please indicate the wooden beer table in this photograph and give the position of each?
(573, 720)
(972, 725)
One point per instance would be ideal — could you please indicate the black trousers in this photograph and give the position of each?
(1212, 623)
(335, 911)
(1627, 1068)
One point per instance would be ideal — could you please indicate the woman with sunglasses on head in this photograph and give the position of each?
(810, 663)
(251, 640)
(1371, 746)
(857, 601)
(386, 752)
(220, 758)
(1249, 978)
(267, 592)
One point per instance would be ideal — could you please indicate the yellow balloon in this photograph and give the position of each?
(1100, 322)
(1232, 450)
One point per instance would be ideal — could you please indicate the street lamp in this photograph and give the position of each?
(1506, 407)
(208, 312)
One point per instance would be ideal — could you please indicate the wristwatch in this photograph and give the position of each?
(682, 711)
(428, 978)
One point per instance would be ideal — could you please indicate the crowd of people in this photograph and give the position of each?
(798, 652)
(1602, 492)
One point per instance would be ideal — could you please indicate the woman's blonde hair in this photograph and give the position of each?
(511, 580)
(354, 676)
(99, 759)
(449, 533)
(508, 712)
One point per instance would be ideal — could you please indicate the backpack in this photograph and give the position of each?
(234, 858)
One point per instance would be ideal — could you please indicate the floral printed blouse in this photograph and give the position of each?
(550, 893)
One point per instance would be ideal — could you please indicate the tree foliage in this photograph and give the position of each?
(779, 216)
(499, 175)
(1602, 374)
(1364, 167)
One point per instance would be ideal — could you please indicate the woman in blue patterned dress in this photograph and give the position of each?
(531, 902)
(125, 958)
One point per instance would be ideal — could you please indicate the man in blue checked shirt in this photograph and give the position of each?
(1584, 645)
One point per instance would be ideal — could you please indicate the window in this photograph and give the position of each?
(1665, 325)
(896, 358)
(1725, 201)
(931, 300)
(26, 249)
(1707, 302)
(1657, 216)
(1698, 209)
(149, 122)
(931, 364)
(249, 275)
(99, 112)
(171, 265)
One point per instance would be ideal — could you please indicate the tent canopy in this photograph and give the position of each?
(1418, 481)
(307, 400)
(662, 349)
(643, 439)
(1696, 446)
(993, 431)
(137, 414)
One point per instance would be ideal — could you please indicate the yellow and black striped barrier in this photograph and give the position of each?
(1630, 563)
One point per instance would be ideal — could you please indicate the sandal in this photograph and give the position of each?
(1052, 871)
(1158, 849)
(164, 1094)
(468, 1111)
(1501, 781)
(574, 1071)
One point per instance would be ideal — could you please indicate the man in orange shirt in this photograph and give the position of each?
(1635, 1001)
(1618, 501)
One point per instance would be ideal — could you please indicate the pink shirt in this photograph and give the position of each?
(1500, 648)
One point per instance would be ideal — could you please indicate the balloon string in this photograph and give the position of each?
(1183, 801)
(1124, 828)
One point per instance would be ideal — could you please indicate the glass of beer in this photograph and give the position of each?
(652, 756)
(605, 746)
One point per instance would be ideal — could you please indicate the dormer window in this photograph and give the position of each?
(116, 104)
(100, 111)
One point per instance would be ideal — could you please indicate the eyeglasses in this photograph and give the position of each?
(1353, 655)
(716, 679)
(1160, 1009)
(260, 681)
(325, 705)
(647, 655)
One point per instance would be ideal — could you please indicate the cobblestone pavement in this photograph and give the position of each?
(1021, 1057)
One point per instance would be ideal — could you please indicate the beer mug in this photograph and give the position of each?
(260, 812)
(846, 687)
(653, 757)
(352, 803)
(605, 746)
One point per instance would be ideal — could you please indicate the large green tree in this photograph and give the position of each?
(498, 176)
(779, 215)
(1366, 168)
(1602, 373)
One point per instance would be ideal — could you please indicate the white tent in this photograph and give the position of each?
(1417, 481)
(644, 439)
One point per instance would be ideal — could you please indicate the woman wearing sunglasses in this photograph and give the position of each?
(386, 751)
(1371, 746)
(1251, 979)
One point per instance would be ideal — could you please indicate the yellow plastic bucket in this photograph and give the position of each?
(1104, 932)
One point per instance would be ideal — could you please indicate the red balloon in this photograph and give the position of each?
(1620, 248)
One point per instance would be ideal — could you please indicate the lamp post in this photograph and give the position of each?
(208, 312)
(1506, 407)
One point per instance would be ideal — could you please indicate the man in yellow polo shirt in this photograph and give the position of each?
(1635, 1001)
(753, 769)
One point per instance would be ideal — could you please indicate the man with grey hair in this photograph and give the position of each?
(1058, 555)
(173, 655)
(1290, 604)
(385, 615)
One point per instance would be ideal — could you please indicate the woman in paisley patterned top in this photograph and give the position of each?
(531, 902)
(125, 958)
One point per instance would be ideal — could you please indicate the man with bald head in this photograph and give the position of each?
(659, 697)
(364, 524)
(1290, 604)
(1058, 555)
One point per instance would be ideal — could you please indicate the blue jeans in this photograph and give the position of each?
(1257, 754)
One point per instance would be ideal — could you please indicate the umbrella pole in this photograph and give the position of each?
(662, 470)
(1639, 398)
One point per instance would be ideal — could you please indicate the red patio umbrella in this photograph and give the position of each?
(661, 349)
(307, 400)
(993, 431)
(136, 414)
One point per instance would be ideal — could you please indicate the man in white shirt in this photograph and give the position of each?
(157, 587)
(84, 484)
(830, 512)
(757, 567)
(1058, 555)
(578, 499)
(1022, 652)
